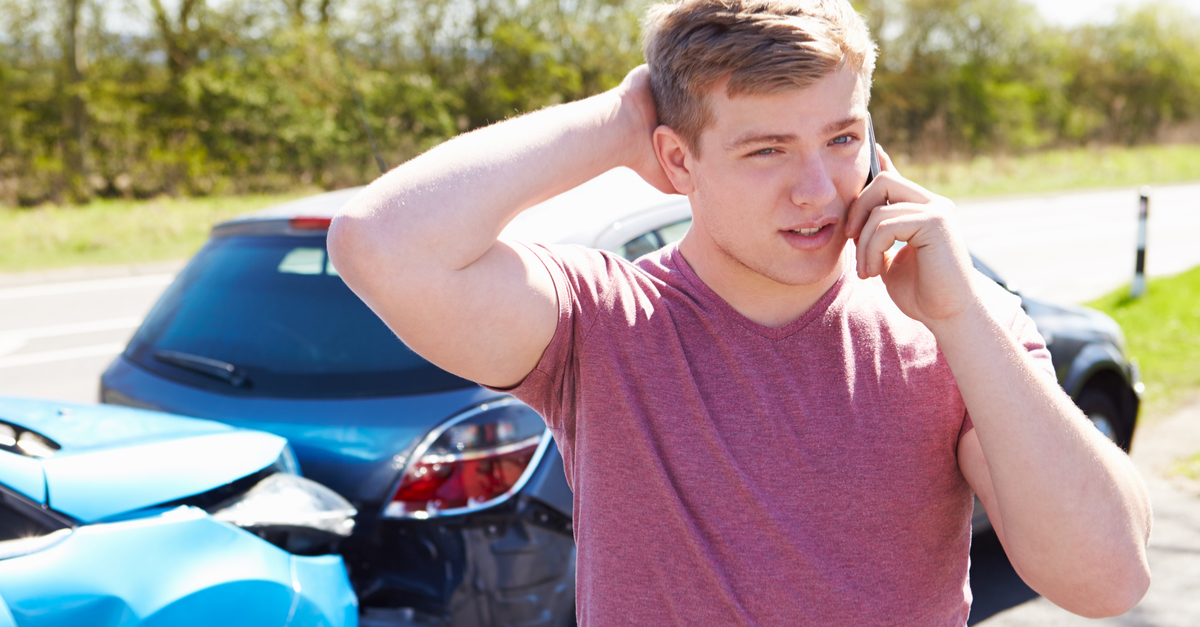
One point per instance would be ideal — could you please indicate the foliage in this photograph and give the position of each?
(260, 95)
(1163, 331)
(209, 97)
(977, 76)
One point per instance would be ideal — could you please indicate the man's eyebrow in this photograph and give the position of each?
(750, 139)
(834, 127)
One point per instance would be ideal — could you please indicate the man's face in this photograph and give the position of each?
(775, 178)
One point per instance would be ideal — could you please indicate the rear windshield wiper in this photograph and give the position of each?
(215, 368)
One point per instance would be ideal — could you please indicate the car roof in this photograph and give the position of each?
(584, 215)
(317, 206)
(591, 214)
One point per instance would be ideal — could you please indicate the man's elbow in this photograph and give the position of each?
(1126, 576)
(1113, 594)
(338, 242)
(1128, 591)
(1118, 602)
(348, 243)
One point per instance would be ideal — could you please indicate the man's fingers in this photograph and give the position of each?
(885, 161)
(891, 231)
(890, 187)
(864, 236)
(873, 196)
(887, 188)
(886, 226)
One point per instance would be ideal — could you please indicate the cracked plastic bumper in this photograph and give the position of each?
(178, 568)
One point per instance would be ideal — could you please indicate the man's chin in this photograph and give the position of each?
(808, 272)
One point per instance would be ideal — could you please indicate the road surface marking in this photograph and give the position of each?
(12, 341)
(75, 328)
(67, 354)
(77, 287)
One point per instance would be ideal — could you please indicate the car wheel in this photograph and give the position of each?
(1101, 409)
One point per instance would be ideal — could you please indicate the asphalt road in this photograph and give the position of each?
(60, 329)
(1074, 247)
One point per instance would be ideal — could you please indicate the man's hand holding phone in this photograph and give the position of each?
(930, 279)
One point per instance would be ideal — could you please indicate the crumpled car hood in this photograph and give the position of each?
(103, 467)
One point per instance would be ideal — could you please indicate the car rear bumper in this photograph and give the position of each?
(510, 565)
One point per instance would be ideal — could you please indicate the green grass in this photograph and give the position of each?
(1188, 467)
(1056, 170)
(116, 231)
(1163, 330)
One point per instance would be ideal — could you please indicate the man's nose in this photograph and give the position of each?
(813, 186)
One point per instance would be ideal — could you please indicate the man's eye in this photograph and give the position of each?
(764, 151)
(844, 139)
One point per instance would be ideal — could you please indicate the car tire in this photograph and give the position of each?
(1104, 412)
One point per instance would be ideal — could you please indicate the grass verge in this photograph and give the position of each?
(1057, 170)
(116, 231)
(1188, 467)
(1163, 330)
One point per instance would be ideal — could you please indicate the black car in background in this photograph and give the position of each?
(464, 512)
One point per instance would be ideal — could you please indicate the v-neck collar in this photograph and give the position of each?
(830, 301)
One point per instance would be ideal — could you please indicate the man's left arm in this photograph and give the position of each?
(1067, 504)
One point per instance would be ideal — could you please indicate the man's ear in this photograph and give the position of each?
(675, 158)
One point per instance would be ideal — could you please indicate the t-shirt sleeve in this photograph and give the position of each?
(580, 284)
(1006, 306)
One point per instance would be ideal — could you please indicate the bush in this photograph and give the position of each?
(253, 96)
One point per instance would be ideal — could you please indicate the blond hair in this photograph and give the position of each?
(762, 46)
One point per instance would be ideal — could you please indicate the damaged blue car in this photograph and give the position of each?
(115, 516)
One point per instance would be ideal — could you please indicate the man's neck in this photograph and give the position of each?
(757, 297)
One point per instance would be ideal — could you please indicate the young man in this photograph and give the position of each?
(763, 425)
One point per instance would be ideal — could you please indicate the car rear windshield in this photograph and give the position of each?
(269, 316)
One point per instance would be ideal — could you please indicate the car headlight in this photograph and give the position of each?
(287, 503)
(477, 459)
(22, 441)
(287, 462)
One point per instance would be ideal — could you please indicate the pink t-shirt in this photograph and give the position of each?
(729, 473)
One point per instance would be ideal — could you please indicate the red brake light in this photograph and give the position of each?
(475, 461)
(454, 483)
(310, 223)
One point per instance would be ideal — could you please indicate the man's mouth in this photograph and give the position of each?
(807, 232)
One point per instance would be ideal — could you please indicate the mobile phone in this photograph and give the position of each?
(874, 153)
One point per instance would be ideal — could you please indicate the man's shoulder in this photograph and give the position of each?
(607, 270)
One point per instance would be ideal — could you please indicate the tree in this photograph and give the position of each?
(76, 141)
(960, 76)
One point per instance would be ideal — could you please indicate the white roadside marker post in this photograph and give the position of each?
(1139, 276)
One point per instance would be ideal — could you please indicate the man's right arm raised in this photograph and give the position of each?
(421, 244)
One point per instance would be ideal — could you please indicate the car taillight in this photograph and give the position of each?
(477, 459)
(304, 223)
